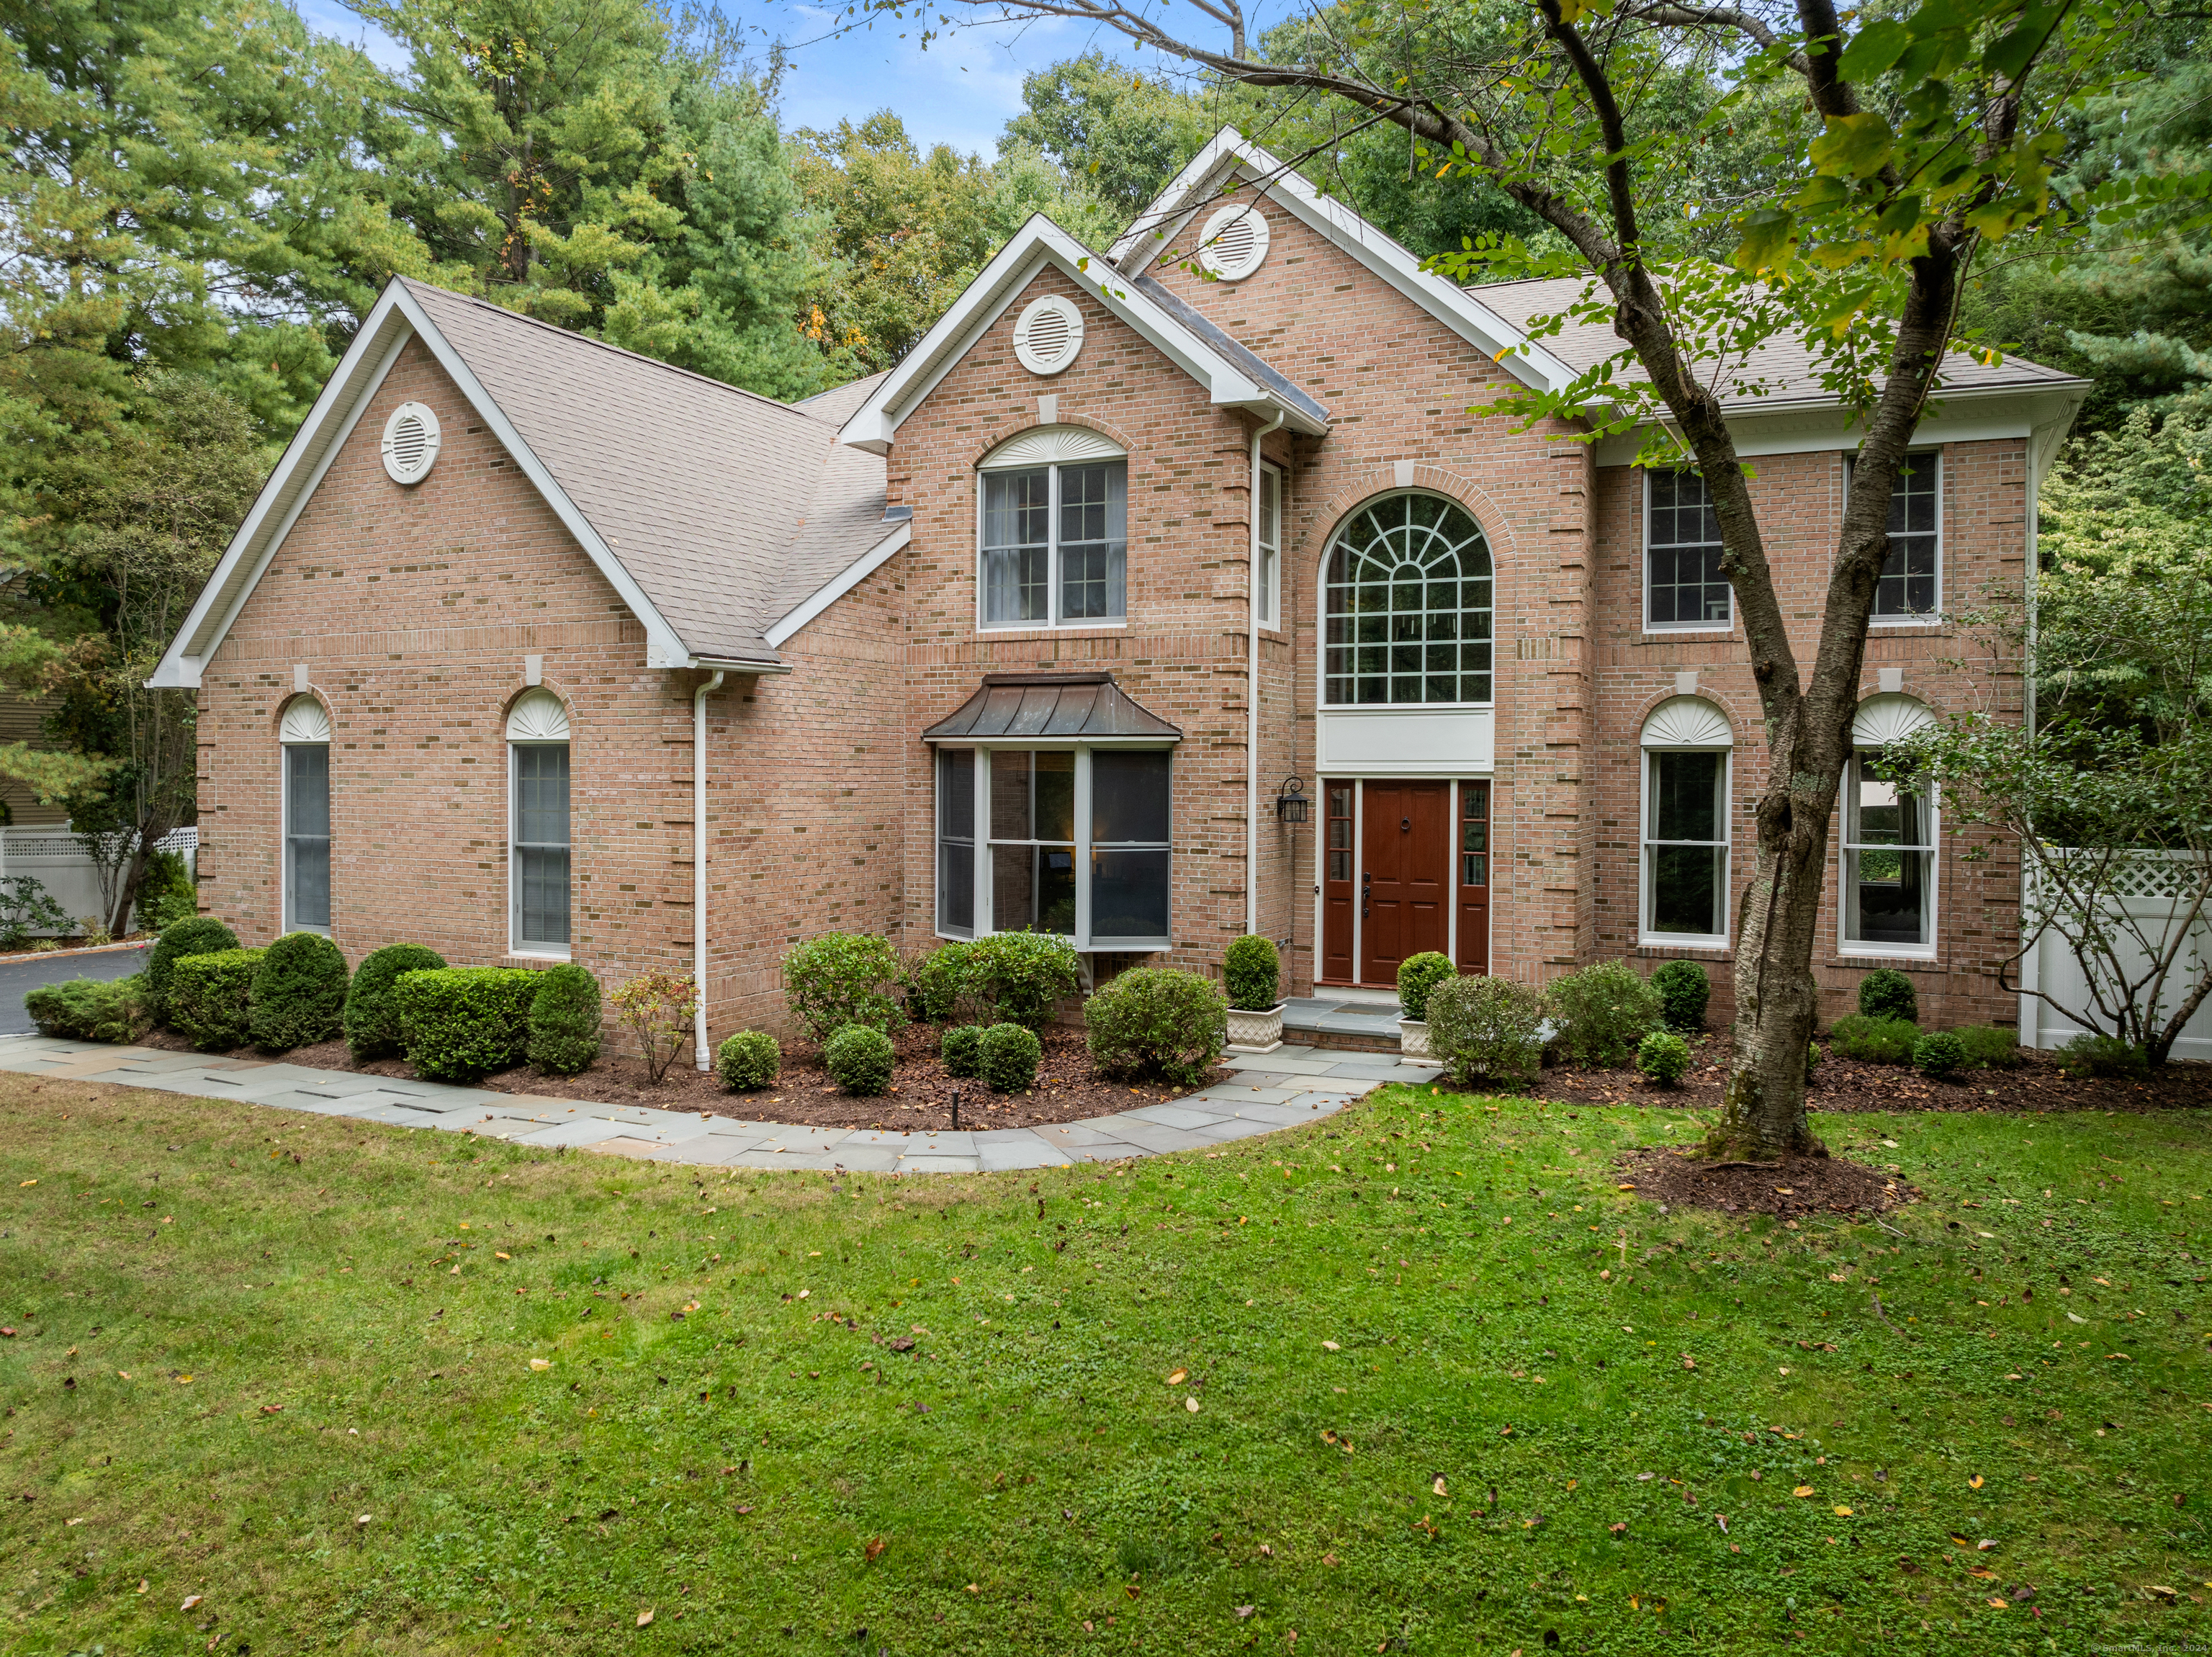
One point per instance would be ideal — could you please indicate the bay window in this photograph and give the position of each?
(1073, 840)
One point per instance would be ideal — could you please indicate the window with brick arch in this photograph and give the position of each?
(1407, 593)
(538, 828)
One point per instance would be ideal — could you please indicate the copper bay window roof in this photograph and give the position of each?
(1068, 707)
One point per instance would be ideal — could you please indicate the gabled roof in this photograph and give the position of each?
(1227, 159)
(712, 511)
(1232, 376)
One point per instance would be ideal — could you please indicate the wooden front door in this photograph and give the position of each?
(1405, 874)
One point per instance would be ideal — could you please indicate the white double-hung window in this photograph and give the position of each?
(1268, 579)
(1055, 530)
(1687, 744)
(1910, 587)
(305, 733)
(1889, 840)
(538, 831)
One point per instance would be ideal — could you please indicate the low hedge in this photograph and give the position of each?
(1989, 1047)
(211, 998)
(1156, 1020)
(299, 993)
(202, 935)
(1939, 1055)
(90, 1009)
(564, 1020)
(1872, 1041)
(372, 1016)
(1663, 1056)
(1252, 972)
(457, 1023)
(1603, 1013)
(1887, 993)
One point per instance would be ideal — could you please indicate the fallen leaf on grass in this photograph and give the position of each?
(1328, 1559)
(1957, 1540)
(1176, 1378)
(1843, 1513)
(1985, 1545)
(191, 1600)
(1326, 1346)
(1802, 1489)
(1242, 1612)
(875, 1546)
(541, 1363)
(1975, 1482)
(644, 1617)
(1191, 1404)
(1439, 1487)
(496, 1255)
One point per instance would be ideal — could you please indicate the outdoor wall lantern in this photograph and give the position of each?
(1290, 803)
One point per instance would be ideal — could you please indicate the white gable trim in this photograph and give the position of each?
(854, 574)
(396, 318)
(1037, 244)
(1198, 186)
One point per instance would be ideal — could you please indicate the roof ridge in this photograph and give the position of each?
(619, 350)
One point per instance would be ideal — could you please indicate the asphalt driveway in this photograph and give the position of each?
(18, 978)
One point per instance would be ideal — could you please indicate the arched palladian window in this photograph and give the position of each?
(538, 836)
(305, 732)
(1687, 744)
(1408, 595)
(1889, 840)
(1054, 536)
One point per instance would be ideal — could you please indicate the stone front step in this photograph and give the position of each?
(1343, 1026)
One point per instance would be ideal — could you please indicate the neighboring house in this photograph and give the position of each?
(972, 644)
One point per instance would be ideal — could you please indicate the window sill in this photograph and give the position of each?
(1664, 945)
(535, 953)
(1675, 629)
(1891, 623)
(1049, 630)
(1925, 960)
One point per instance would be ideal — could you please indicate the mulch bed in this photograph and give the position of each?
(921, 1095)
(1788, 1189)
(2039, 1084)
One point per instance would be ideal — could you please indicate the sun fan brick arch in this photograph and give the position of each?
(1688, 721)
(305, 720)
(538, 716)
(1888, 717)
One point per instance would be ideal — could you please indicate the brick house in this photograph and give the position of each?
(1147, 603)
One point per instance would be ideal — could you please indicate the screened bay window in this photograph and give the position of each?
(1055, 531)
(1407, 595)
(305, 732)
(1683, 586)
(1686, 751)
(1074, 840)
(538, 835)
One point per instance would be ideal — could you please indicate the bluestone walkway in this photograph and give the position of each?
(1271, 1090)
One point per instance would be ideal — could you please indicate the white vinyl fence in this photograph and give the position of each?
(2050, 966)
(51, 855)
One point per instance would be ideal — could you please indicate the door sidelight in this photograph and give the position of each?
(1366, 889)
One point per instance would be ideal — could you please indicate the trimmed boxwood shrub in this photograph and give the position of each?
(2105, 1055)
(860, 1057)
(564, 1020)
(840, 978)
(1252, 972)
(962, 1049)
(457, 1023)
(1156, 1020)
(1486, 1029)
(1989, 1046)
(747, 1060)
(1874, 1041)
(1417, 976)
(90, 1009)
(202, 934)
(1021, 978)
(937, 983)
(211, 998)
(1684, 992)
(1663, 1056)
(372, 1016)
(299, 993)
(1939, 1054)
(1602, 1013)
(1887, 993)
(1006, 1058)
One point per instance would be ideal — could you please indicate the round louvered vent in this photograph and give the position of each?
(1047, 335)
(1234, 241)
(410, 443)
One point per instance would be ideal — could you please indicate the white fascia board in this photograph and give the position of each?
(873, 426)
(1977, 417)
(863, 567)
(395, 318)
(1196, 186)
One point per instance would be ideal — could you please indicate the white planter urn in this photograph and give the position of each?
(1251, 1032)
(1414, 1038)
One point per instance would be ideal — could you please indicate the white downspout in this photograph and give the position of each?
(1252, 695)
(699, 869)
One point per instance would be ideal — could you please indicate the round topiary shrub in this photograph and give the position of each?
(372, 1016)
(747, 1060)
(937, 983)
(1156, 1020)
(1684, 991)
(1486, 1029)
(564, 1020)
(861, 1058)
(1663, 1056)
(211, 998)
(1939, 1055)
(1418, 975)
(202, 935)
(1006, 1058)
(1602, 1013)
(1887, 993)
(1252, 973)
(962, 1049)
(299, 993)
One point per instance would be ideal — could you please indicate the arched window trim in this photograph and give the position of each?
(1328, 612)
(540, 837)
(303, 736)
(1881, 719)
(1057, 543)
(1677, 731)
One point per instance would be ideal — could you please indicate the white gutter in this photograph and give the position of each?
(1252, 694)
(699, 869)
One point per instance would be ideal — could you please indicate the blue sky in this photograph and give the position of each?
(961, 91)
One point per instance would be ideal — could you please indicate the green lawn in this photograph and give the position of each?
(1425, 1421)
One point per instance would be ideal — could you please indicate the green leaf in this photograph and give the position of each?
(1857, 145)
(2011, 53)
(1768, 236)
(1879, 44)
